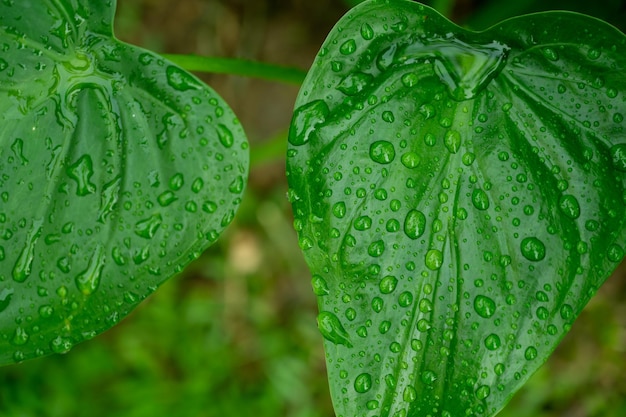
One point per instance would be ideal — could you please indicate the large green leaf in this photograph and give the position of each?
(117, 168)
(459, 196)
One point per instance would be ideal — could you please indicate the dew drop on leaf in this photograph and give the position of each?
(434, 259)
(331, 328)
(569, 206)
(388, 284)
(81, 172)
(225, 136)
(414, 224)
(339, 209)
(363, 383)
(88, 281)
(147, 228)
(533, 249)
(480, 200)
(306, 119)
(320, 286)
(410, 160)
(348, 47)
(618, 155)
(530, 353)
(180, 80)
(452, 141)
(493, 342)
(484, 306)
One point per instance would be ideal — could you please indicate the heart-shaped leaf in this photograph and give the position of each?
(459, 197)
(117, 168)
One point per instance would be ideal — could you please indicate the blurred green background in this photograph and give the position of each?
(235, 334)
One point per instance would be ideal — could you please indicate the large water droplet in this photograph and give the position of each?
(61, 344)
(480, 200)
(147, 228)
(569, 206)
(382, 152)
(363, 383)
(180, 80)
(23, 265)
(484, 306)
(225, 136)
(533, 249)
(306, 120)
(452, 141)
(618, 155)
(348, 47)
(81, 172)
(320, 287)
(88, 281)
(367, 32)
(434, 259)
(388, 284)
(331, 328)
(493, 342)
(415, 224)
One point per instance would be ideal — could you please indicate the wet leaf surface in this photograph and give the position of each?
(459, 197)
(117, 169)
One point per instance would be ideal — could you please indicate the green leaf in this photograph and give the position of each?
(459, 197)
(117, 168)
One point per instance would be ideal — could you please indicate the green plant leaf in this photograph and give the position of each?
(117, 168)
(459, 196)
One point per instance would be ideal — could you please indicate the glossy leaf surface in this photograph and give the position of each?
(459, 197)
(117, 169)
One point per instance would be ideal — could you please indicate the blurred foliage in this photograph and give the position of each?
(235, 334)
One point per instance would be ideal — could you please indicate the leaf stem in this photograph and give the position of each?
(242, 67)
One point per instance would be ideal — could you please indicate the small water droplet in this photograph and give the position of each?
(61, 344)
(166, 198)
(484, 306)
(331, 328)
(414, 224)
(109, 198)
(306, 120)
(20, 337)
(533, 249)
(237, 185)
(410, 79)
(382, 152)
(363, 383)
(363, 223)
(177, 181)
(428, 377)
(615, 253)
(483, 392)
(388, 117)
(339, 209)
(410, 394)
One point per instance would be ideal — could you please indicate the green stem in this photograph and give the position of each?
(242, 67)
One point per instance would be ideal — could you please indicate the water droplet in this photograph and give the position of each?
(428, 377)
(331, 328)
(615, 253)
(425, 305)
(177, 181)
(108, 198)
(166, 198)
(181, 80)
(533, 249)
(3, 64)
(550, 54)
(569, 206)
(348, 47)
(61, 344)
(434, 259)
(483, 392)
(530, 353)
(225, 136)
(81, 172)
(618, 118)
(388, 284)
(363, 383)
(18, 150)
(24, 263)
(88, 281)
(147, 228)
(237, 185)
(339, 209)
(306, 120)
(411, 160)
(5, 298)
(376, 248)
(480, 199)
(388, 117)
(410, 394)
(405, 299)
(20, 337)
(410, 79)
(452, 141)
(320, 287)
(363, 223)
(593, 54)
(493, 342)
(542, 313)
(197, 185)
(484, 306)
(354, 83)
(414, 224)
(618, 155)
(367, 32)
